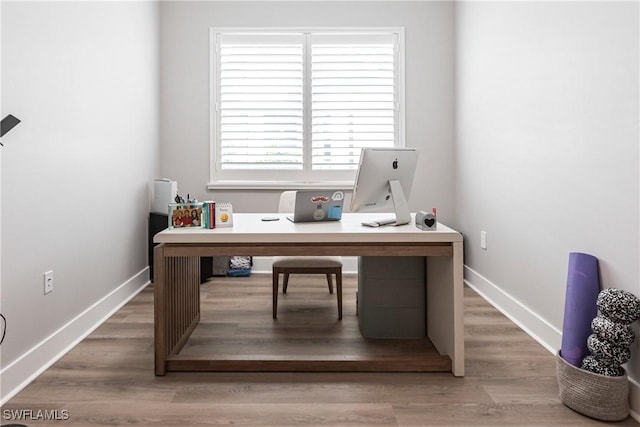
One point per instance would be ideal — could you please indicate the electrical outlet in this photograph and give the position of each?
(48, 281)
(483, 240)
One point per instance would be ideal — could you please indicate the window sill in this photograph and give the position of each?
(277, 185)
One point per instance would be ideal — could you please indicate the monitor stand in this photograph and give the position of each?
(403, 215)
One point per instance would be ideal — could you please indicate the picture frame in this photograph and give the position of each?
(186, 215)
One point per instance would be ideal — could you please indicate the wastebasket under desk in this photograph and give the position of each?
(159, 222)
(392, 297)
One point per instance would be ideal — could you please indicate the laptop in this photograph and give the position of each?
(317, 206)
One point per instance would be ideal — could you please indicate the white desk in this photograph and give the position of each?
(177, 276)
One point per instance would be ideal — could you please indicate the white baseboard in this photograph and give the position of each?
(530, 322)
(262, 264)
(535, 326)
(26, 368)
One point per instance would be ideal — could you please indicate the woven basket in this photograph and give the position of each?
(596, 396)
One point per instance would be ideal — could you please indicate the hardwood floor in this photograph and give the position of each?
(108, 379)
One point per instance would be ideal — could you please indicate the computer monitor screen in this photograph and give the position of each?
(384, 180)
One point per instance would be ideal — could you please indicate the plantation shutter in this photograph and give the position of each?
(353, 97)
(260, 101)
(294, 107)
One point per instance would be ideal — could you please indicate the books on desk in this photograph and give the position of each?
(209, 214)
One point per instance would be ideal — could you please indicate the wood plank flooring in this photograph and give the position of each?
(108, 379)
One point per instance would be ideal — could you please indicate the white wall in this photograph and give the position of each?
(547, 151)
(83, 78)
(429, 33)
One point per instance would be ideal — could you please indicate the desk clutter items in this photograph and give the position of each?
(217, 215)
(427, 221)
(207, 214)
(223, 215)
(240, 266)
(183, 215)
(232, 266)
(591, 379)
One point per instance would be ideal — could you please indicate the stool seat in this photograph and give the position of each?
(307, 261)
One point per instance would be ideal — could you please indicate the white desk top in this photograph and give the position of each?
(249, 228)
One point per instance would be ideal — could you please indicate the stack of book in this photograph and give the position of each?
(217, 214)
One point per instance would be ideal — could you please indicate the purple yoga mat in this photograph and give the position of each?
(583, 286)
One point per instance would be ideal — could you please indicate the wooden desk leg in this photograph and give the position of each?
(176, 304)
(445, 306)
(458, 308)
(159, 311)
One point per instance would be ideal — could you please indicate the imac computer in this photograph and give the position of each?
(384, 180)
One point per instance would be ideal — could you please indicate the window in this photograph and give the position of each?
(296, 107)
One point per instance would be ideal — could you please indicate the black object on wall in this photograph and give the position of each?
(7, 124)
(157, 223)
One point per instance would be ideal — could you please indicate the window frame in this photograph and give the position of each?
(292, 180)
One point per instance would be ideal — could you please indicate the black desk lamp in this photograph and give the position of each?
(7, 124)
